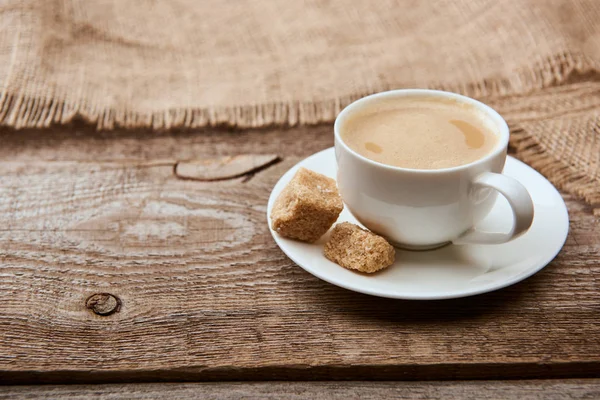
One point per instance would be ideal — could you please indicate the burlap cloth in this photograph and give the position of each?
(191, 63)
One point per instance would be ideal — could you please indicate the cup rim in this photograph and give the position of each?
(501, 146)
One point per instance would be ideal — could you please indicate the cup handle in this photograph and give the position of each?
(520, 203)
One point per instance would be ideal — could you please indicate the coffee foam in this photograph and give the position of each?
(420, 132)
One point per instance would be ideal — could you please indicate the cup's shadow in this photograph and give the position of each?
(456, 259)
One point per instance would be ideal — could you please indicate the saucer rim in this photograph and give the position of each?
(538, 266)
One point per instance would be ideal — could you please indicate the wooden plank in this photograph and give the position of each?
(205, 294)
(476, 390)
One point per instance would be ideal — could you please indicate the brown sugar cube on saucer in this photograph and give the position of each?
(355, 248)
(307, 207)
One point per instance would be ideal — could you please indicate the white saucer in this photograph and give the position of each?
(452, 271)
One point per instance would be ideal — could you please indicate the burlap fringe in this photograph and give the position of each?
(564, 176)
(20, 111)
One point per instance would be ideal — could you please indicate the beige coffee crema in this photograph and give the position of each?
(420, 132)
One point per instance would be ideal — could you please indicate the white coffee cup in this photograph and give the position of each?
(425, 209)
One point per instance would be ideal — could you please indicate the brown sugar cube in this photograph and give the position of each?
(356, 248)
(307, 207)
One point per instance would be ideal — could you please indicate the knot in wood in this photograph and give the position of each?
(103, 304)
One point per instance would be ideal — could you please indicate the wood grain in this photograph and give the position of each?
(465, 390)
(206, 294)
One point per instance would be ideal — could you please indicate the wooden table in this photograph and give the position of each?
(115, 268)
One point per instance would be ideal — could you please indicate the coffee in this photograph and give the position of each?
(420, 133)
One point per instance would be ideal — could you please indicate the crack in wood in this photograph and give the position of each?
(225, 168)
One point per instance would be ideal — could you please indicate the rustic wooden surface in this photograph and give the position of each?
(476, 390)
(189, 285)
